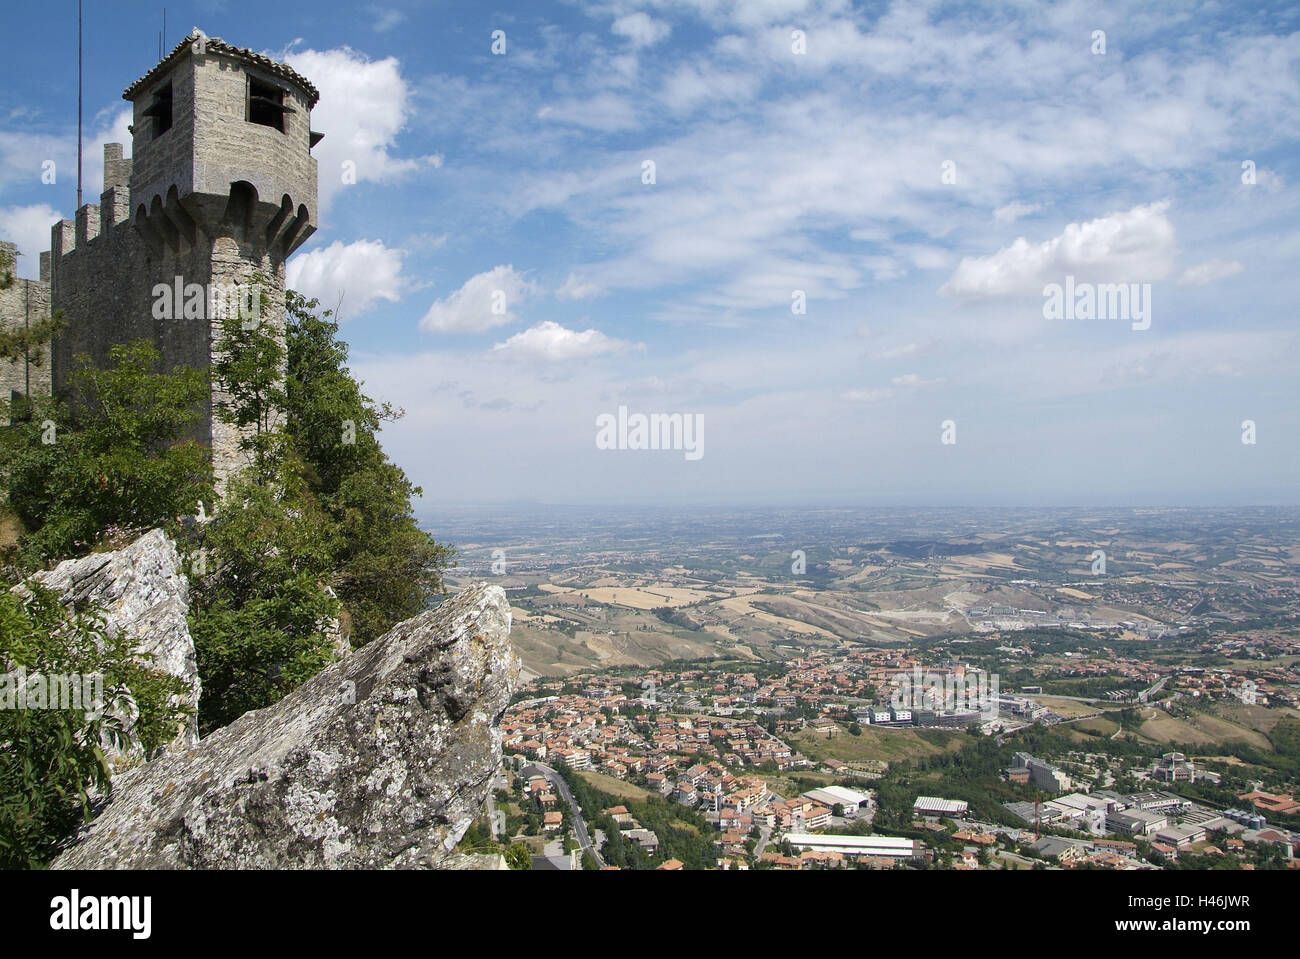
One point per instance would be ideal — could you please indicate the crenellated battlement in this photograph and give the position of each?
(93, 221)
(221, 186)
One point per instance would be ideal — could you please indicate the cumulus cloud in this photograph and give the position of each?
(641, 29)
(364, 105)
(362, 272)
(1133, 246)
(1211, 271)
(22, 155)
(552, 342)
(29, 227)
(486, 300)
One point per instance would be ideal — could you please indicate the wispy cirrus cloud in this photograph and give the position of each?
(1211, 271)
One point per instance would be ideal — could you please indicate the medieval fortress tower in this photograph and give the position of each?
(220, 187)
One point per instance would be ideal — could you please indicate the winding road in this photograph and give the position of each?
(562, 787)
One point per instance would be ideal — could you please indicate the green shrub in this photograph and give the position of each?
(118, 461)
(51, 760)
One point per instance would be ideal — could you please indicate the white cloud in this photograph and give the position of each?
(1015, 210)
(640, 28)
(22, 155)
(364, 105)
(1270, 180)
(363, 272)
(486, 300)
(574, 288)
(553, 342)
(1133, 246)
(847, 141)
(690, 86)
(909, 379)
(29, 227)
(386, 18)
(427, 242)
(605, 111)
(1211, 271)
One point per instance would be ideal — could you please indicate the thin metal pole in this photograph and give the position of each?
(27, 346)
(78, 104)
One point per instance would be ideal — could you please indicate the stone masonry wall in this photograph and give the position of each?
(25, 300)
(214, 200)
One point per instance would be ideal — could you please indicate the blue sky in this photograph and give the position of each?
(921, 172)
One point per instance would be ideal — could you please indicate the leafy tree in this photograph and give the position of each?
(249, 371)
(387, 568)
(52, 761)
(319, 506)
(29, 342)
(259, 616)
(117, 462)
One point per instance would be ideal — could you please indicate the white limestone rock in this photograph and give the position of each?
(381, 761)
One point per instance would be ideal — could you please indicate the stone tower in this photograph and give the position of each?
(221, 186)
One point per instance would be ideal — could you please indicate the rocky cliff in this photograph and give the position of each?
(381, 761)
(140, 592)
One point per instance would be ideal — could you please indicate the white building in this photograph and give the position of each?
(891, 846)
(832, 796)
(934, 806)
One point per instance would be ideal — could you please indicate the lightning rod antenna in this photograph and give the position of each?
(78, 104)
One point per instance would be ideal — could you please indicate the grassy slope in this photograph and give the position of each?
(887, 745)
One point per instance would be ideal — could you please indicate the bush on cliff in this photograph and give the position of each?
(387, 568)
(320, 504)
(116, 462)
(258, 610)
(50, 756)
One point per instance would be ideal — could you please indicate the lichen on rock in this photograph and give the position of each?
(138, 591)
(381, 761)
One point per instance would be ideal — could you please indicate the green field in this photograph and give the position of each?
(615, 787)
(886, 745)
